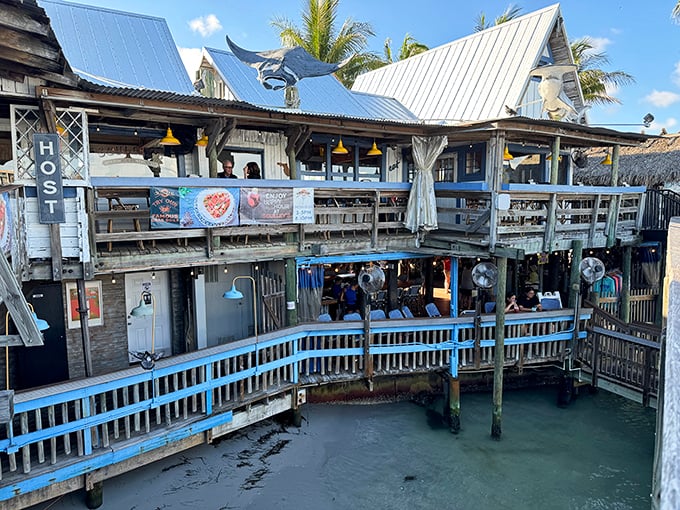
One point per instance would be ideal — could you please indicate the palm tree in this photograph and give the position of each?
(320, 37)
(409, 47)
(594, 81)
(510, 13)
(676, 12)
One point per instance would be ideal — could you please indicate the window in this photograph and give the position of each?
(241, 157)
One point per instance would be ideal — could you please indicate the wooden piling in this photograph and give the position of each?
(625, 287)
(499, 351)
(94, 497)
(454, 404)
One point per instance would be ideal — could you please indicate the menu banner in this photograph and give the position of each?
(164, 207)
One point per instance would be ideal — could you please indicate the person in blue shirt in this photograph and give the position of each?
(349, 298)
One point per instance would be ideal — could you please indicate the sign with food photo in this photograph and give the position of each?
(261, 206)
(208, 207)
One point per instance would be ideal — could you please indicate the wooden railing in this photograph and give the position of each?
(67, 430)
(540, 217)
(625, 354)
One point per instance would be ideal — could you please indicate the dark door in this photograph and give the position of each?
(48, 364)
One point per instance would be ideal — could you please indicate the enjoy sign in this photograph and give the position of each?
(48, 178)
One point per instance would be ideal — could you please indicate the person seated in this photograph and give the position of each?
(511, 305)
(529, 302)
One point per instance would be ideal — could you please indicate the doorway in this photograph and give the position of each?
(139, 329)
(47, 364)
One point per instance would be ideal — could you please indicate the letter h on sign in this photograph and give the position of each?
(48, 178)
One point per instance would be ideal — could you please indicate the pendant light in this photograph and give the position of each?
(169, 138)
(607, 160)
(340, 149)
(374, 151)
(202, 141)
(506, 154)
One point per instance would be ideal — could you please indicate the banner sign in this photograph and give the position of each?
(48, 178)
(6, 224)
(221, 207)
(208, 207)
(164, 207)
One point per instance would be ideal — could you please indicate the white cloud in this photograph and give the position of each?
(191, 58)
(205, 25)
(661, 98)
(676, 74)
(599, 44)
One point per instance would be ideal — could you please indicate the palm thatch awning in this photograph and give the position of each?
(654, 162)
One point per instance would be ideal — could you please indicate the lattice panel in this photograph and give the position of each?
(72, 129)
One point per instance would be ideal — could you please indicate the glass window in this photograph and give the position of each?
(240, 157)
(473, 162)
(446, 167)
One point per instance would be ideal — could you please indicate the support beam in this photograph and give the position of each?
(555, 161)
(499, 350)
(291, 293)
(575, 275)
(625, 291)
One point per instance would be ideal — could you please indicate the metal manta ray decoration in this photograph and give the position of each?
(284, 67)
(550, 89)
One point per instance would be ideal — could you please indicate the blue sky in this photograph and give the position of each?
(639, 37)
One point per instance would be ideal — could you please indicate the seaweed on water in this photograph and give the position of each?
(252, 481)
(183, 462)
(275, 449)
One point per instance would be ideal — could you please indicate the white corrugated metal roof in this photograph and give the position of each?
(471, 78)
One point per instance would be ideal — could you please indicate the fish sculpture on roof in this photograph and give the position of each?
(283, 67)
(550, 89)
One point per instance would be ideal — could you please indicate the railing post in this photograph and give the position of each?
(625, 294)
(595, 361)
(575, 277)
(646, 377)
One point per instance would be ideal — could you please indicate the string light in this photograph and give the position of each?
(153, 275)
(113, 278)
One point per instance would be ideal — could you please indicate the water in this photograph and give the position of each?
(595, 454)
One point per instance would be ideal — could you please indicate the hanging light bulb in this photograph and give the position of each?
(374, 151)
(340, 149)
(113, 278)
(226, 269)
(153, 275)
(169, 138)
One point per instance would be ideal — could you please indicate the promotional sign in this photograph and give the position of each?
(164, 207)
(303, 205)
(48, 178)
(6, 224)
(208, 207)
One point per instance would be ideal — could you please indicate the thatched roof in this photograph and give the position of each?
(656, 161)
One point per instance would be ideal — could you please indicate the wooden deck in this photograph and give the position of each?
(71, 435)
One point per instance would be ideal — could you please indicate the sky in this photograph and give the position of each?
(639, 38)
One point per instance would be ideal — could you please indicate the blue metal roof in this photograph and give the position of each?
(116, 48)
(323, 94)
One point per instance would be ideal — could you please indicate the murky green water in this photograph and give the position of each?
(595, 454)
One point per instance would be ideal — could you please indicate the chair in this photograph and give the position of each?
(352, 317)
(489, 307)
(432, 310)
(396, 314)
(324, 317)
(407, 312)
(377, 315)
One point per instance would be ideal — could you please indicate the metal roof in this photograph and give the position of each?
(117, 48)
(320, 95)
(471, 78)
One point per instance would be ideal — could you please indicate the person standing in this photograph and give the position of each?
(227, 170)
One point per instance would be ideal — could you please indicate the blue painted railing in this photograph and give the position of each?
(71, 429)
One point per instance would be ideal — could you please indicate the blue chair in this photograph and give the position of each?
(432, 310)
(489, 307)
(396, 314)
(407, 312)
(352, 317)
(324, 317)
(378, 315)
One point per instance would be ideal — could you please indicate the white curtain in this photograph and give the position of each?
(421, 211)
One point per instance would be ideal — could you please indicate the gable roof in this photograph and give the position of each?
(473, 78)
(117, 48)
(322, 94)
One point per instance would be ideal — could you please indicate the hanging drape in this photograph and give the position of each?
(421, 210)
(651, 264)
(310, 289)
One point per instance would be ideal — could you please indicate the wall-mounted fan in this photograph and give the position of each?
(579, 158)
(371, 279)
(592, 269)
(485, 275)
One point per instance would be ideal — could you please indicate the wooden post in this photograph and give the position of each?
(499, 350)
(555, 161)
(291, 292)
(368, 357)
(94, 497)
(84, 328)
(615, 166)
(625, 290)
(575, 276)
(454, 404)
(213, 162)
